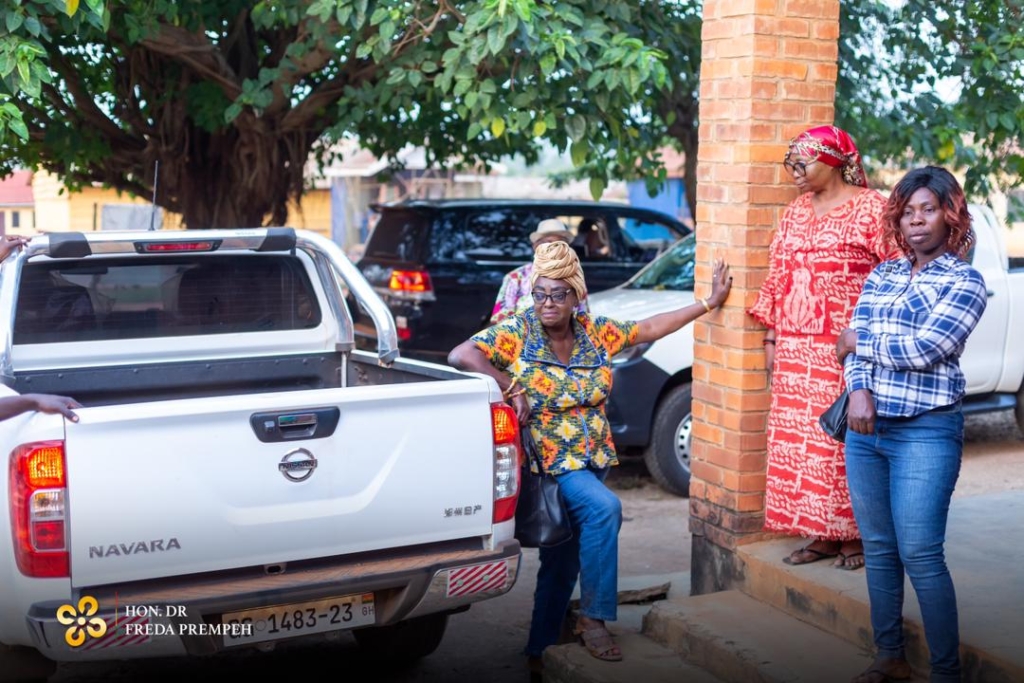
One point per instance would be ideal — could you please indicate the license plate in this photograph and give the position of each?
(303, 618)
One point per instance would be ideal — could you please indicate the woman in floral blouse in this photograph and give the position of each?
(554, 366)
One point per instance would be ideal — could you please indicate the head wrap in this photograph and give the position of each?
(834, 147)
(558, 261)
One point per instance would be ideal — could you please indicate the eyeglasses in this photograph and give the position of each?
(558, 296)
(797, 167)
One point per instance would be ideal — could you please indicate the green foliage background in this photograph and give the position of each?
(232, 97)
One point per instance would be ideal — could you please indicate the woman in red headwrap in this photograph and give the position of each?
(826, 244)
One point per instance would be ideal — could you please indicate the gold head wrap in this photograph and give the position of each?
(558, 261)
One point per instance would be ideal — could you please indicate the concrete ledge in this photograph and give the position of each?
(986, 570)
(742, 640)
(644, 661)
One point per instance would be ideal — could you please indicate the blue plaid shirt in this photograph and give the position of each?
(911, 332)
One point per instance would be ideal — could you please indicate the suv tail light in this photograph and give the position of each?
(414, 285)
(38, 500)
(505, 427)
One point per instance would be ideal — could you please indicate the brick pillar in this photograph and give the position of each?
(768, 72)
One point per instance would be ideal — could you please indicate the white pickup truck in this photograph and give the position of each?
(239, 474)
(649, 409)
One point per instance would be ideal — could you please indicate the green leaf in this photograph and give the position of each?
(24, 71)
(379, 15)
(474, 131)
(364, 50)
(578, 153)
(415, 78)
(595, 80)
(488, 86)
(522, 8)
(396, 76)
(495, 40)
(33, 26)
(13, 21)
(232, 112)
(539, 128)
(470, 99)
(547, 64)
(462, 86)
(597, 186)
(576, 127)
(70, 7)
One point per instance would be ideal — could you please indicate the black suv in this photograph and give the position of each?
(439, 263)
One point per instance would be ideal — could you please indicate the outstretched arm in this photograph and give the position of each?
(11, 244)
(44, 403)
(658, 326)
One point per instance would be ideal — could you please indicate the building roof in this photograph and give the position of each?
(16, 189)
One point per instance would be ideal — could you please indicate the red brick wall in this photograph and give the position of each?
(768, 72)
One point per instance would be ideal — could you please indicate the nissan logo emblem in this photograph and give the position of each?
(298, 465)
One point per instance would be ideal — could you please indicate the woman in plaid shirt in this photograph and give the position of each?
(905, 438)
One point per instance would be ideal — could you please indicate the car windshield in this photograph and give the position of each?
(672, 270)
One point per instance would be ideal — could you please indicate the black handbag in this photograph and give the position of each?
(541, 518)
(833, 420)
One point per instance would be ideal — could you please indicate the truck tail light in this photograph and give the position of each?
(38, 499)
(414, 285)
(505, 427)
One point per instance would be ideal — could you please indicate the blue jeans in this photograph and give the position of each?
(592, 555)
(901, 480)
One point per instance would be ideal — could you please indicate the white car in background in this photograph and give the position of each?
(649, 406)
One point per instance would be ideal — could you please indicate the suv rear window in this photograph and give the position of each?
(499, 233)
(399, 235)
(162, 297)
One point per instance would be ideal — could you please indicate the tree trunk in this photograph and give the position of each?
(241, 176)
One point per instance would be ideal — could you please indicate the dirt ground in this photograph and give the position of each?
(485, 643)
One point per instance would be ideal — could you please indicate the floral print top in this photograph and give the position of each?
(514, 295)
(567, 418)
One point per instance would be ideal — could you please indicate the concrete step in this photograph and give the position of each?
(989, 586)
(742, 640)
(644, 661)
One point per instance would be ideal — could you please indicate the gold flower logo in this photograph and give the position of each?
(81, 621)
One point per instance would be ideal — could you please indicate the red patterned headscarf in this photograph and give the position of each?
(834, 147)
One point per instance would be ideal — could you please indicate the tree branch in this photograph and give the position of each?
(197, 53)
(85, 105)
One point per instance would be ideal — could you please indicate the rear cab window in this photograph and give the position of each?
(400, 235)
(131, 298)
(498, 234)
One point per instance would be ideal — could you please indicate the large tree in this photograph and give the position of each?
(233, 97)
(927, 82)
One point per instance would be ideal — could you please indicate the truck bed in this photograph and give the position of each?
(113, 385)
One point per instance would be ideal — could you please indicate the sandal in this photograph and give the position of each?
(599, 643)
(884, 671)
(844, 562)
(815, 555)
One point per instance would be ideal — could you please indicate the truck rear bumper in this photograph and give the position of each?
(182, 611)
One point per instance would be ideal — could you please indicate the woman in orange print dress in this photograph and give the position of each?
(826, 244)
(554, 365)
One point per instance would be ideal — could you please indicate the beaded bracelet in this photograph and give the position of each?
(521, 391)
(510, 387)
(704, 303)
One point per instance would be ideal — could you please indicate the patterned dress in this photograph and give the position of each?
(567, 418)
(817, 268)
